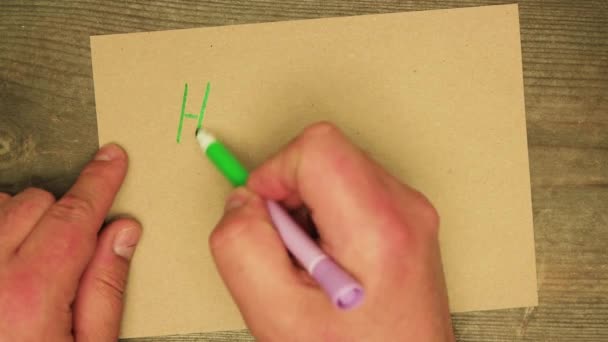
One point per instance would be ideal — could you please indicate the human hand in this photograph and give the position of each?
(383, 232)
(59, 279)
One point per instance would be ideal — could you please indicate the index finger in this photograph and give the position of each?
(67, 231)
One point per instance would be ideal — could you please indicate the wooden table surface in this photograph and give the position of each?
(48, 129)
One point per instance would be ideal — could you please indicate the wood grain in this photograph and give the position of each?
(48, 129)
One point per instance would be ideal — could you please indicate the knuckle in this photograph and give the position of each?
(401, 229)
(103, 172)
(428, 215)
(93, 170)
(323, 142)
(216, 238)
(40, 195)
(433, 218)
(35, 200)
(109, 283)
(71, 208)
(396, 235)
(323, 128)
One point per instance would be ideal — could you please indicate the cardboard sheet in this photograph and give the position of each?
(436, 97)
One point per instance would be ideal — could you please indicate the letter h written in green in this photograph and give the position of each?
(198, 117)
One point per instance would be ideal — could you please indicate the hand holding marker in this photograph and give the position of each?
(344, 291)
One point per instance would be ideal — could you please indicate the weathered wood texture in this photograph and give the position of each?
(48, 129)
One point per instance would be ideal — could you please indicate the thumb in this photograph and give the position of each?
(251, 258)
(99, 301)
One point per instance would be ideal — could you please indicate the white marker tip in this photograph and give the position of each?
(204, 138)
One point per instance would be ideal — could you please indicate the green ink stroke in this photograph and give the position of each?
(203, 106)
(181, 117)
(183, 113)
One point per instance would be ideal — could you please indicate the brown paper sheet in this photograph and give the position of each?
(436, 97)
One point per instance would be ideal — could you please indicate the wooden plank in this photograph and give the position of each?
(570, 224)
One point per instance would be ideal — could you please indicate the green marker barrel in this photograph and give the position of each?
(223, 159)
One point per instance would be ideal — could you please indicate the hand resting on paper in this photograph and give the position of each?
(59, 279)
(62, 280)
(383, 232)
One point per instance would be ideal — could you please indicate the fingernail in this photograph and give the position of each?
(125, 242)
(109, 152)
(238, 199)
(234, 203)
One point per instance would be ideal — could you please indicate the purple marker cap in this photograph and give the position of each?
(344, 291)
